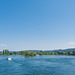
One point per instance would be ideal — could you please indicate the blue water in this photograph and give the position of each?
(39, 65)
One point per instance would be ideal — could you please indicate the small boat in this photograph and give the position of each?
(9, 58)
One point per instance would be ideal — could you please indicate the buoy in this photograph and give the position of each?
(9, 58)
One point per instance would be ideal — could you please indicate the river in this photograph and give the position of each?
(39, 65)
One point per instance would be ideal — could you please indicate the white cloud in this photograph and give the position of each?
(71, 43)
(3, 45)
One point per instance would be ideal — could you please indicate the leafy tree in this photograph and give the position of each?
(3, 52)
(73, 52)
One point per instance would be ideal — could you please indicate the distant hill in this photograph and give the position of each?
(61, 50)
(35, 50)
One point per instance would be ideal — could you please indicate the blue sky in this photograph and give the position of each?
(37, 24)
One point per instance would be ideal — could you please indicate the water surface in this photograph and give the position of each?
(39, 65)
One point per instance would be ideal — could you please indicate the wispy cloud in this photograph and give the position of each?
(3, 45)
(71, 43)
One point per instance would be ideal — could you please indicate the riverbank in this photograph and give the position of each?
(32, 53)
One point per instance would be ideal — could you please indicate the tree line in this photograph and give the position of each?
(23, 53)
(56, 53)
(32, 53)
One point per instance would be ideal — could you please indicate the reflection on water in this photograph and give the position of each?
(39, 65)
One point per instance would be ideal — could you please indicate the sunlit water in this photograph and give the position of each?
(39, 65)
